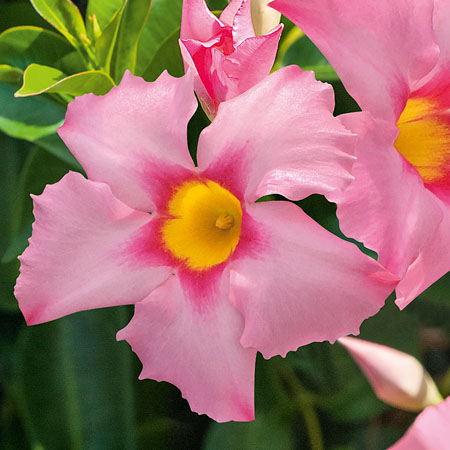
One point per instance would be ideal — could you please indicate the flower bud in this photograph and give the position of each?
(264, 18)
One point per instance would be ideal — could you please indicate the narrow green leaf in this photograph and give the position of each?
(323, 73)
(19, 12)
(168, 57)
(9, 74)
(164, 19)
(65, 17)
(40, 168)
(38, 79)
(104, 11)
(75, 383)
(133, 20)
(34, 119)
(22, 46)
(104, 46)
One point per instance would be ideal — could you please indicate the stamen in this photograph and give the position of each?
(225, 221)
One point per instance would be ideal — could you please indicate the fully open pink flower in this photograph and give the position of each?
(430, 431)
(394, 59)
(224, 54)
(215, 275)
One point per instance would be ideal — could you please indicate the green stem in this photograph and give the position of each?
(305, 403)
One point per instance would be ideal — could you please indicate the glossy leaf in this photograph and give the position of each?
(168, 57)
(75, 383)
(164, 19)
(9, 74)
(22, 46)
(19, 12)
(34, 119)
(103, 10)
(134, 17)
(38, 79)
(40, 168)
(104, 46)
(65, 17)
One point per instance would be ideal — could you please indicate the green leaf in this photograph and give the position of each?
(104, 11)
(22, 46)
(75, 383)
(168, 57)
(19, 12)
(104, 46)
(164, 19)
(40, 168)
(133, 20)
(9, 74)
(301, 51)
(34, 119)
(38, 79)
(267, 432)
(65, 17)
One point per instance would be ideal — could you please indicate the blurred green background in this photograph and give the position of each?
(68, 384)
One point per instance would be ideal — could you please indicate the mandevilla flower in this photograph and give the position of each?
(430, 431)
(224, 54)
(394, 59)
(215, 275)
(396, 377)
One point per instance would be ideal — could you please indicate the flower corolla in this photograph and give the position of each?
(214, 274)
(394, 59)
(224, 53)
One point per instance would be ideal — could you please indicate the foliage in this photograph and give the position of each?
(69, 384)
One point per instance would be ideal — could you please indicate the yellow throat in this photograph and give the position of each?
(204, 225)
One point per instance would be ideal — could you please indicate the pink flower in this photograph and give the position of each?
(396, 377)
(430, 431)
(224, 54)
(214, 275)
(394, 59)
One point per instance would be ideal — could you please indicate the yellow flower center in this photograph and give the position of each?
(424, 138)
(205, 224)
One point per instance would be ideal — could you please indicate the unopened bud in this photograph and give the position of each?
(264, 18)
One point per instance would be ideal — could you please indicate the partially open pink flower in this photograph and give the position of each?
(225, 55)
(396, 377)
(430, 431)
(215, 275)
(394, 59)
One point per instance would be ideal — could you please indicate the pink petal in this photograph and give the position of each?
(196, 350)
(76, 259)
(279, 137)
(386, 207)
(116, 137)
(242, 24)
(429, 431)
(432, 263)
(197, 21)
(396, 377)
(380, 50)
(230, 11)
(305, 285)
(252, 61)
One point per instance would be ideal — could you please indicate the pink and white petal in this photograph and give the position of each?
(429, 431)
(279, 137)
(230, 11)
(198, 22)
(242, 24)
(380, 50)
(197, 350)
(305, 285)
(252, 60)
(77, 258)
(125, 136)
(432, 263)
(387, 207)
(396, 377)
